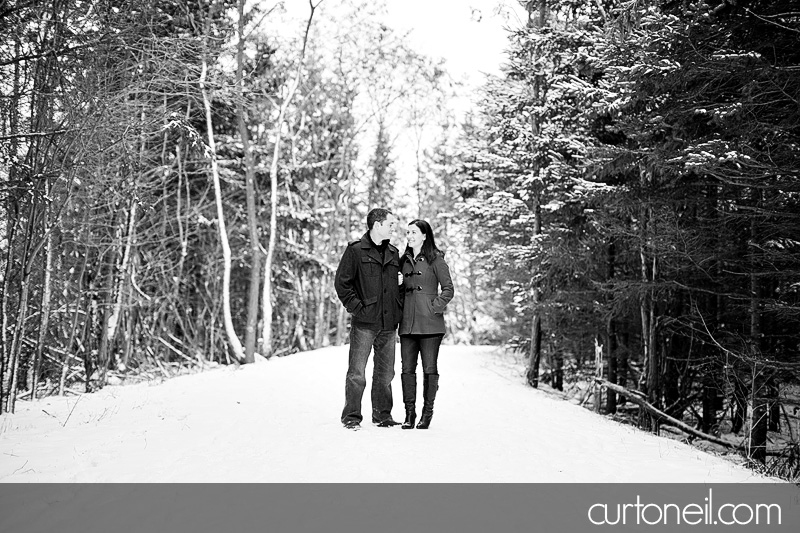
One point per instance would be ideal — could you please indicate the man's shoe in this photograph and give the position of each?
(352, 424)
(389, 422)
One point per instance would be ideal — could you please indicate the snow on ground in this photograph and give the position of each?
(278, 421)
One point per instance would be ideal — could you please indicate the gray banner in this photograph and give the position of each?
(406, 508)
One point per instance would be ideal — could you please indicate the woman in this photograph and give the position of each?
(422, 326)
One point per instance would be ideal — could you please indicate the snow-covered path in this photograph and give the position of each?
(278, 421)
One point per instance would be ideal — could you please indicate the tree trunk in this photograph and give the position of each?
(302, 304)
(611, 355)
(233, 340)
(710, 402)
(712, 394)
(119, 280)
(321, 322)
(5, 364)
(611, 335)
(65, 361)
(342, 211)
(759, 415)
(739, 407)
(774, 405)
(341, 325)
(535, 356)
(649, 381)
(622, 363)
(10, 228)
(598, 373)
(558, 372)
(536, 326)
(46, 296)
(11, 378)
(757, 444)
(250, 192)
(267, 312)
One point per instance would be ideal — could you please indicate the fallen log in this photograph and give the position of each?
(636, 397)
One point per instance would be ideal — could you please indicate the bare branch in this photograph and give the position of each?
(640, 401)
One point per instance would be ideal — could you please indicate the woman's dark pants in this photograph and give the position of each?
(427, 347)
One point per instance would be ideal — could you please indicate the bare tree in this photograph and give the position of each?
(250, 191)
(233, 339)
(277, 138)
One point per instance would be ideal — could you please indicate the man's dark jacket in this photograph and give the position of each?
(367, 284)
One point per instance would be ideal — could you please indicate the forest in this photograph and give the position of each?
(621, 207)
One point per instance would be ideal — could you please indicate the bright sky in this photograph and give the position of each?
(469, 34)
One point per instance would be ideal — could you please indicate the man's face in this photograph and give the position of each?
(385, 230)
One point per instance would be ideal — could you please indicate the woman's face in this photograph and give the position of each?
(415, 236)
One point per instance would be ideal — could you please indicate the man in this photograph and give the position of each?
(367, 284)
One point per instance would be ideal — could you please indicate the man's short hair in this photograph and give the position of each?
(379, 214)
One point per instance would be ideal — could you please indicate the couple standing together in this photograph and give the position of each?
(381, 288)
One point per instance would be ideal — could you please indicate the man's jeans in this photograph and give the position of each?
(362, 341)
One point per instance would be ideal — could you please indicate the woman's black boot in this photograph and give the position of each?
(425, 419)
(411, 416)
(409, 382)
(430, 385)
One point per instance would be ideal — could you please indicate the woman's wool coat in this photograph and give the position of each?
(423, 309)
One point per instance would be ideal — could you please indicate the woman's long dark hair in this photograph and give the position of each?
(429, 249)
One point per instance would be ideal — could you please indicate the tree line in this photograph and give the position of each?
(636, 175)
(178, 180)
